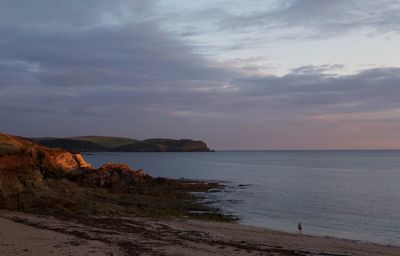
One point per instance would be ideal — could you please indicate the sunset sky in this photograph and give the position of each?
(255, 74)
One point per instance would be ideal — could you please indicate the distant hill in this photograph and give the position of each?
(120, 144)
(72, 145)
(165, 145)
(107, 142)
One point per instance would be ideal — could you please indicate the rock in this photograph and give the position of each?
(120, 177)
(111, 167)
(117, 177)
(82, 163)
(139, 173)
(68, 161)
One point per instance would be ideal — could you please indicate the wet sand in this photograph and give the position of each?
(27, 234)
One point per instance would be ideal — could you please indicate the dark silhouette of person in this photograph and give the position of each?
(299, 227)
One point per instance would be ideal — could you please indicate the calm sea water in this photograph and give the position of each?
(347, 194)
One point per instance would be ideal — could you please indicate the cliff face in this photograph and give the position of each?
(24, 166)
(38, 156)
(115, 144)
(36, 178)
(67, 161)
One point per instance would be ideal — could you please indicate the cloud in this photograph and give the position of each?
(309, 18)
(60, 51)
(287, 20)
(60, 15)
(115, 70)
(369, 89)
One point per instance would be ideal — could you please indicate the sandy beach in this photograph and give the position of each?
(27, 234)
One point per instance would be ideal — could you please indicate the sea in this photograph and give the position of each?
(353, 194)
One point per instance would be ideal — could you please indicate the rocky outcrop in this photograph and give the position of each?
(117, 177)
(36, 172)
(37, 179)
(69, 161)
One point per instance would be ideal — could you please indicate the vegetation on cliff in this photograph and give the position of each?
(42, 180)
(120, 144)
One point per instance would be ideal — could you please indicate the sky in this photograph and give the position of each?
(255, 74)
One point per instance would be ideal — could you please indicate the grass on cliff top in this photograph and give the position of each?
(11, 145)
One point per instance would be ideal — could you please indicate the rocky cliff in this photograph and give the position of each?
(38, 179)
(24, 165)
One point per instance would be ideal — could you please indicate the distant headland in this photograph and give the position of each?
(121, 144)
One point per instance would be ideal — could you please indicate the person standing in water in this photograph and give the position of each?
(299, 227)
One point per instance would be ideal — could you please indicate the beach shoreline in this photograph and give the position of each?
(29, 234)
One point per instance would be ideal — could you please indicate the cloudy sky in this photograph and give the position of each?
(255, 74)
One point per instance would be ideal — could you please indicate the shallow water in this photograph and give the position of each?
(347, 194)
